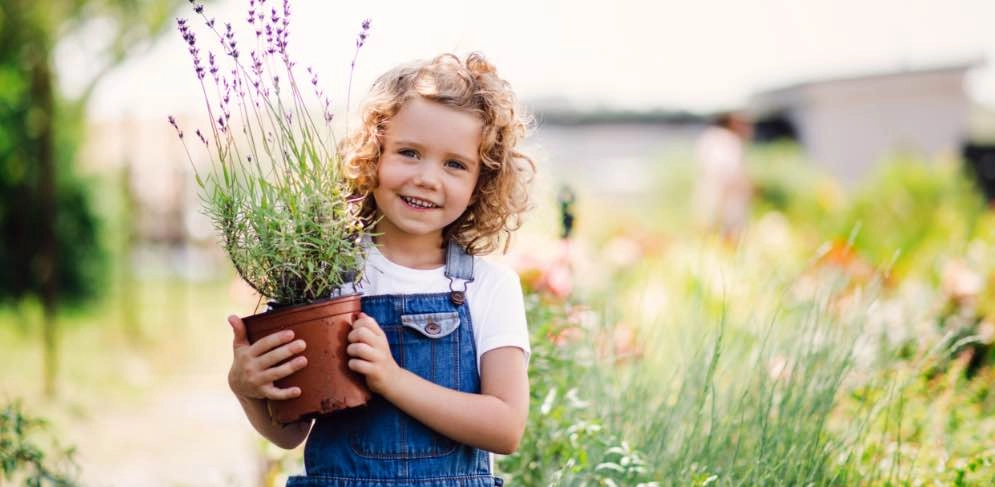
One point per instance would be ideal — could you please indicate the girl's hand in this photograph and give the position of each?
(370, 354)
(254, 367)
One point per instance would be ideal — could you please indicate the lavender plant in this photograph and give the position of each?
(275, 188)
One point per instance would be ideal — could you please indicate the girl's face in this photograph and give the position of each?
(428, 169)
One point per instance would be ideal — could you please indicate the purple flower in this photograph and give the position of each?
(328, 110)
(199, 8)
(172, 121)
(202, 138)
(214, 67)
(257, 64)
(361, 39)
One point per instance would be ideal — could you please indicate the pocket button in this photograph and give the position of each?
(433, 328)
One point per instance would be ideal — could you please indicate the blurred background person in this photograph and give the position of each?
(723, 186)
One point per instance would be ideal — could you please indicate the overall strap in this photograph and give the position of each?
(459, 266)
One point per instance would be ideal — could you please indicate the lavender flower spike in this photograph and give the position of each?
(361, 39)
(172, 121)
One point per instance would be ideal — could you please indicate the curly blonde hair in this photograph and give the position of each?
(471, 85)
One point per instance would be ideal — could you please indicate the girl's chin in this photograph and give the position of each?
(412, 230)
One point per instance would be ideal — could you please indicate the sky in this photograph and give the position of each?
(699, 55)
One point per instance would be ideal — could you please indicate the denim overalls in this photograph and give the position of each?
(379, 445)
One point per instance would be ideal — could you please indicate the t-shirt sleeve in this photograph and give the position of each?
(503, 323)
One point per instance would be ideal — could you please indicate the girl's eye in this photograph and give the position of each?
(453, 163)
(408, 152)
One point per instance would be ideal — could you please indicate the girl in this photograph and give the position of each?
(442, 340)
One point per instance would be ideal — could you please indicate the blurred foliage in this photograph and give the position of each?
(916, 208)
(567, 442)
(80, 272)
(39, 133)
(27, 459)
(785, 182)
(50, 246)
(747, 369)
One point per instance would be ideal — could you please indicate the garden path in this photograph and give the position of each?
(185, 430)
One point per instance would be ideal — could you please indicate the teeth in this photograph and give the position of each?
(418, 202)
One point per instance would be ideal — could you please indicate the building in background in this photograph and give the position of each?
(847, 125)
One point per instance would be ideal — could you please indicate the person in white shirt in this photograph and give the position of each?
(724, 189)
(442, 341)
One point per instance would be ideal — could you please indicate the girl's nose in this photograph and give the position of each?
(428, 176)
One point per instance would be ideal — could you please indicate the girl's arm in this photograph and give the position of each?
(287, 437)
(253, 370)
(493, 420)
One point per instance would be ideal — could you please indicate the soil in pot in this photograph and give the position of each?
(327, 385)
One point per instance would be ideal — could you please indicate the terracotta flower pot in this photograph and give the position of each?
(326, 383)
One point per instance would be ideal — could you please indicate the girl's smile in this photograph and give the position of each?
(428, 170)
(419, 203)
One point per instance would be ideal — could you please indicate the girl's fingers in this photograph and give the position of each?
(239, 339)
(280, 354)
(364, 335)
(270, 342)
(364, 321)
(363, 351)
(273, 392)
(360, 366)
(277, 373)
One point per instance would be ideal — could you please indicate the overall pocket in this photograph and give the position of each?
(428, 345)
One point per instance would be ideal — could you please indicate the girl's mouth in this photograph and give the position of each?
(418, 203)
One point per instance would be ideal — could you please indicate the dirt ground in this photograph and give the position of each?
(189, 432)
(183, 429)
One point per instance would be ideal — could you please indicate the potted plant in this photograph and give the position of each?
(276, 193)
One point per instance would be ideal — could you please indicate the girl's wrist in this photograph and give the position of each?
(393, 383)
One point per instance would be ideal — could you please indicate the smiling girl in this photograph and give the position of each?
(442, 340)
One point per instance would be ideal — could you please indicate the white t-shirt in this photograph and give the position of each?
(497, 308)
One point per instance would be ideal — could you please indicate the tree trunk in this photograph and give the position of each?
(43, 100)
(130, 294)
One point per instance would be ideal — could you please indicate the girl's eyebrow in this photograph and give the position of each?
(416, 145)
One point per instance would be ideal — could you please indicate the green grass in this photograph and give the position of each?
(102, 359)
